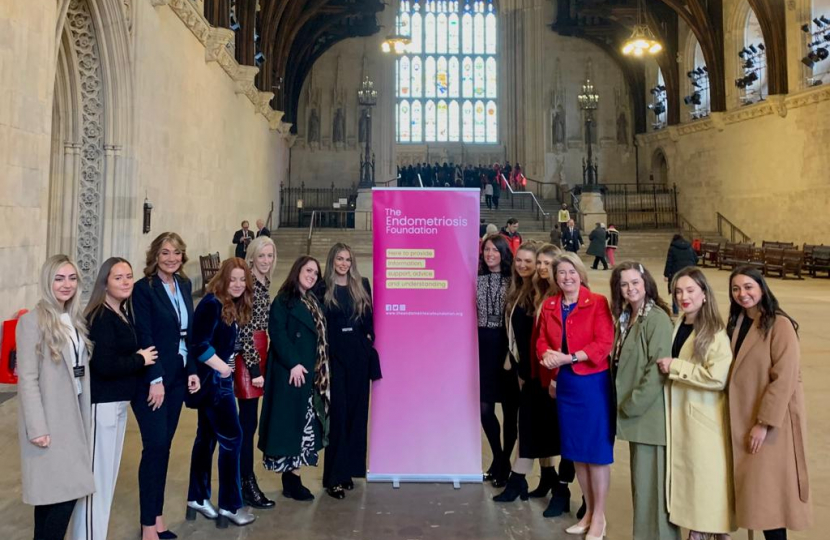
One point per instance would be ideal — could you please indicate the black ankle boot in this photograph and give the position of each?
(516, 487)
(293, 488)
(559, 503)
(253, 496)
(547, 482)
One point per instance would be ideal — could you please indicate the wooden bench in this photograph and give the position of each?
(808, 256)
(774, 261)
(793, 263)
(757, 258)
(782, 245)
(709, 253)
(821, 261)
(209, 264)
(734, 255)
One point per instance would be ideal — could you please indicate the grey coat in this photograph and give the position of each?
(49, 405)
(597, 245)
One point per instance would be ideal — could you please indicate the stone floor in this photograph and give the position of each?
(437, 512)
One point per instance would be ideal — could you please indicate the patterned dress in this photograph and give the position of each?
(259, 321)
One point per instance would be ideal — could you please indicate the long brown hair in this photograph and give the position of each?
(98, 297)
(618, 301)
(239, 309)
(360, 298)
(152, 259)
(543, 288)
(520, 292)
(768, 307)
(708, 321)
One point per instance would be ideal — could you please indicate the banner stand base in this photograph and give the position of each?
(455, 479)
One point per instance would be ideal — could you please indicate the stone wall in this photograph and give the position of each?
(764, 167)
(179, 124)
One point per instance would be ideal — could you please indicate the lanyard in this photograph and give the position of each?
(76, 348)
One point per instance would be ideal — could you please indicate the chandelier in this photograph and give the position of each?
(398, 41)
(642, 39)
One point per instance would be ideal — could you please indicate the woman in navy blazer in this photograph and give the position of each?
(163, 307)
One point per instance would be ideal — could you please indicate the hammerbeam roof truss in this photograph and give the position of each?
(608, 23)
(289, 35)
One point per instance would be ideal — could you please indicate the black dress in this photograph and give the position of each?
(538, 420)
(350, 344)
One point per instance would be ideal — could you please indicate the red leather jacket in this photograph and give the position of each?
(590, 329)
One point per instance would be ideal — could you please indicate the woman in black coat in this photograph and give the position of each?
(163, 306)
(680, 256)
(347, 299)
(294, 421)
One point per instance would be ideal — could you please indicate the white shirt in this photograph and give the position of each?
(78, 348)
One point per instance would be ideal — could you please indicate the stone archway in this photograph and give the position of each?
(90, 187)
(659, 168)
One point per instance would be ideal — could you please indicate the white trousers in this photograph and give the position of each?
(91, 517)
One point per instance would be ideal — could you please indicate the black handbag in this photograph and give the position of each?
(375, 373)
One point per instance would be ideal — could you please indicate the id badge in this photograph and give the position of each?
(493, 319)
(79, 371)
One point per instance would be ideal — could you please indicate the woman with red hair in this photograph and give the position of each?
(216, 322)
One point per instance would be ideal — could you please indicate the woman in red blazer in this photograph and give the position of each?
(578, 357)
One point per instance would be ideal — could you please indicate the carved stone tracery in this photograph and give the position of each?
(90, 184)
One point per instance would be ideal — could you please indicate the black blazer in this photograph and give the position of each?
(115, 367)
(263, 232)
(572, 242)
(157, 324)
(242, 247)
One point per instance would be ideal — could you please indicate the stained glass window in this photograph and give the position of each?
(452, 62)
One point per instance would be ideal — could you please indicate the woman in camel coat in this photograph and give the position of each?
(766, 405)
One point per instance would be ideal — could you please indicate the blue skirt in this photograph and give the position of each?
(585, 420)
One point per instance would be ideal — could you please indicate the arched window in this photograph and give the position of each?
(753, 62)
(447, 84)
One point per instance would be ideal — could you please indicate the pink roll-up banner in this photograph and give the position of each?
(425, 423)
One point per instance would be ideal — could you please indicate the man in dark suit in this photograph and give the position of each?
(571, 237)
(261, 229)
(242, 238)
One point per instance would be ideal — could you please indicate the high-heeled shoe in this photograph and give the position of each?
(578, 529)
(336, 492)
(240, 518)
(201, 507)
(348, 486)
(516, 488)
(167, 535)
(600, 537)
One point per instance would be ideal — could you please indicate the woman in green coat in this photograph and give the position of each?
(643, 335)
(294, 421)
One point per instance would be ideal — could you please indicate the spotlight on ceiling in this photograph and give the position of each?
(694, 99)
(805, 28)
(235, 27)
(259, 59)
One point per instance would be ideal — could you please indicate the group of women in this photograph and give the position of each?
(713, 411)
(142, 345)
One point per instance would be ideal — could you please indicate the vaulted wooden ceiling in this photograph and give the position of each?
(608, 23)
(291, 35)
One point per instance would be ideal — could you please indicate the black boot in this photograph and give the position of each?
(560, 502)
(293, 488)
(516, 487)
(582, 509)
(253, 496)
(547, 482)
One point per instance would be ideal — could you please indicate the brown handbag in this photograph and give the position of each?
(242, 387)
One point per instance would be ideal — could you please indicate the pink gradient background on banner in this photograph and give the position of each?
(425, 411)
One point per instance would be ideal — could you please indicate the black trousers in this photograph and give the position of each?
(157, 431)
(775, 534)
(345, 456)
(248, 419)
(52, 520)
(598, 260)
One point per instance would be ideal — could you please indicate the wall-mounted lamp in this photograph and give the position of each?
(148, 210)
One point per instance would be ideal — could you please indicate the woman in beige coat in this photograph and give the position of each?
(766, 405)
(53, 388)
(699, 476)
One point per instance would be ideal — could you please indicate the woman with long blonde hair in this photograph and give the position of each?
(347, 301)
(54, 400)
(700, 494)
(249, 377)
